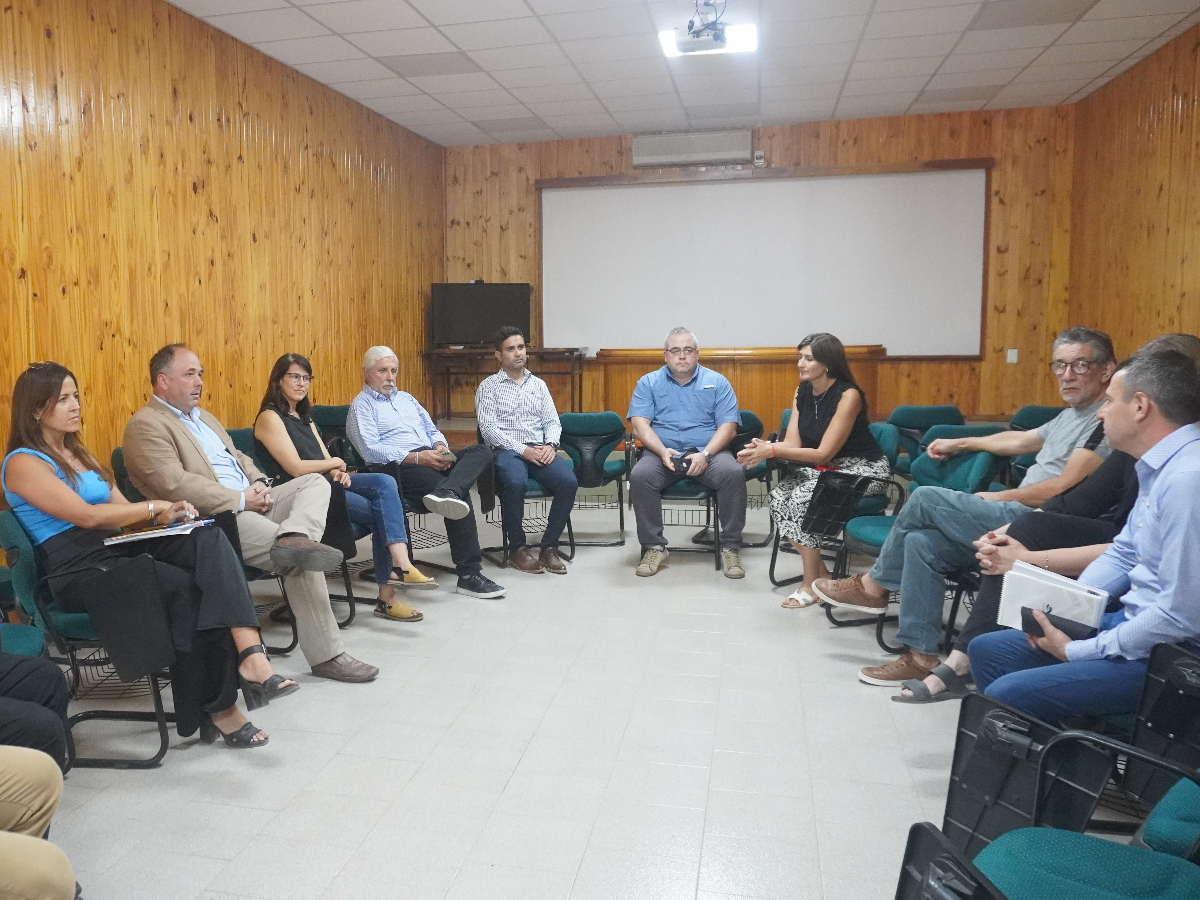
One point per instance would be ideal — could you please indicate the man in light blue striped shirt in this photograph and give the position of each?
(1150, 411)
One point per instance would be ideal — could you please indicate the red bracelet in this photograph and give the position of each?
(772, 449)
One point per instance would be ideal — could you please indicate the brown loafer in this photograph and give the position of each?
(849, 593)
(907, 666)
(295, 551)
(345, 667)
(551, 561)
(525, 559)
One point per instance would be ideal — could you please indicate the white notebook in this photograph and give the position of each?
(1027, 585)
(161, 531)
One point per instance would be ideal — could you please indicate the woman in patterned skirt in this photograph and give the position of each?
(828, 429)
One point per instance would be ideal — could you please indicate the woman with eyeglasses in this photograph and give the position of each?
(289, 446)
(68, 504)
(828, 429)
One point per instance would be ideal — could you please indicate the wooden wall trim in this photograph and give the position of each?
(749, 173)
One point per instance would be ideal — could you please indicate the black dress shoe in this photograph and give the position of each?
(476, 585)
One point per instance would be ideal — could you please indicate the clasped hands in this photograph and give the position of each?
(258, 497)
(539, 454)
(696, 467)
(755, 452)
(997, 552)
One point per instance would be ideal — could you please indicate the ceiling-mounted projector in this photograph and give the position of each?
(700, 40)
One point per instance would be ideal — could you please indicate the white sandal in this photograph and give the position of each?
(803, 600)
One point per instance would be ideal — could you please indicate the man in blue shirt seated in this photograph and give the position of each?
(684, 410)
(392, 432)
(1150, 411)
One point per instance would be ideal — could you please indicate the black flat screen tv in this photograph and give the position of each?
(471, 313)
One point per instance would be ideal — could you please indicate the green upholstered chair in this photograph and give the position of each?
(591, 440)
(1028, 418)
(331, 423)
(23, 640)
(76, 638)
(912, 422)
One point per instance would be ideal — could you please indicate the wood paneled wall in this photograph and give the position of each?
(492, 222)
(1135, 232)
(164, 182)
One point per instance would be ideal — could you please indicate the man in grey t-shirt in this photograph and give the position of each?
(934, 532)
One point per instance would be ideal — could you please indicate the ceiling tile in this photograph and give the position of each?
(389, 105)
(566, 107)
(463, 100)
(868, 86)
(365, 15)
(610, 70)
(790, 10)
(1108, 9)
(1076, 53)
(471, 81)
(793, 93)
(310, 50)
(808, 55)
(504, 33)
(431, 64)
(600, 23)
(401, 41)
(725, 123)
(1019, 13)
(995, 59)
(515, 78)
(804, 75)
(526, 57)
(720, 64)
(1088, 71)
(1094, 30)
(896, 5)
(812, 31)
(451, 12)
(921, 21)
(699, 83)
(268, 25)
(992, 77)
(202, 8)
(722, 110)
(376, 87)
(638, 104)
(550, 7)
(674, 14)
(486, 116)
(644, 122)
(800, 111)
(875, 105)
(921, 108)
(977, 93)
(1033, 89)
(427, 117)
(534, 135)
(891, 68)
(344, 70)
(627, 46)
(1009, 38)
(633, 87)
(910, 47)
(602, 121)
(549, 92)
(718, 98)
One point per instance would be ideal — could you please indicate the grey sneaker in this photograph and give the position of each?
(731, 562)
(651, 560)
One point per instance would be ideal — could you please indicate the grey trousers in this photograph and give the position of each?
(300, 507)
(650, 478)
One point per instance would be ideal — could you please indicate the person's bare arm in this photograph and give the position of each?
(996, 556)
(34, 480)
(643, 432)
(1080, 464)
(272, 432)
(1003, 443)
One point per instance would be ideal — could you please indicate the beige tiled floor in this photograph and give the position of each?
(589, 736)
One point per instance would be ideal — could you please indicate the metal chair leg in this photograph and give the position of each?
(159, 716)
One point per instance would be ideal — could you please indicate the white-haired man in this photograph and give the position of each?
(392, 431)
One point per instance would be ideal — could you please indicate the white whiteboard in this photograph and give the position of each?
(892, 259)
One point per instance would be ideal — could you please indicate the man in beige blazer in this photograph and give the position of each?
(174, 449)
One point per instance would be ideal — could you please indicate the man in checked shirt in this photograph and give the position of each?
(518, 420)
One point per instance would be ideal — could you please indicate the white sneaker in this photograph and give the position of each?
(651, 560)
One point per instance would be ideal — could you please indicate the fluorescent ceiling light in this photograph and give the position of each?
(738, 39)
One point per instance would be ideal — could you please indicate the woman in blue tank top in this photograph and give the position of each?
(62, 497)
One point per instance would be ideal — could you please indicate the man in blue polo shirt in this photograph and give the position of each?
(685, 410)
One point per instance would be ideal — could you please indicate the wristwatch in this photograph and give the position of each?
(707, 456)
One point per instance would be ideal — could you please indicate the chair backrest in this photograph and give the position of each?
(1028, 418)
(785, 419)
(913, 421)
(124, 485)
(243, 440)
(969, 472)
(589, 438)
(750, 426)
(31, 592)
(887, 436)
(331, 423)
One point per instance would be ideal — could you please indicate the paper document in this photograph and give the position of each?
(156, 532)
(1036, 588)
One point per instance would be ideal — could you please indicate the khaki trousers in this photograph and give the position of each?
(299, 507)
(30, 868)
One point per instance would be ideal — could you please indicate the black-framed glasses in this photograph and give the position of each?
(1079, 366)
(297, 378)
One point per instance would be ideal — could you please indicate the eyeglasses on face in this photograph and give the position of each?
(1079, 366)
(681, 351)
(297, 378)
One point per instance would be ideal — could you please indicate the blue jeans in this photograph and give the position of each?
(512, 472)
(1007, 669)
(373, 501)
(931, 538)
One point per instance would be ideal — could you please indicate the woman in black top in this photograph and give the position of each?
(828, 429)
(289, 446)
